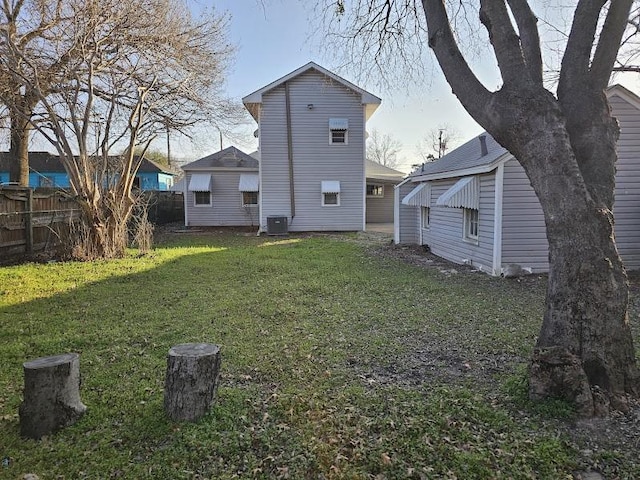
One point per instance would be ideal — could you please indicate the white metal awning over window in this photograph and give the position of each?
(465, 193)
(419, 196)
(338, 124)
(249, 182)
(200, 182)
(330, 186)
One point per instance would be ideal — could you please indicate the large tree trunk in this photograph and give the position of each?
(585, 350)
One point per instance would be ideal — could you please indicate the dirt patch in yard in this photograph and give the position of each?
(603, 444)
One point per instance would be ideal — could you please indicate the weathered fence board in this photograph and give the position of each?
(33, 221)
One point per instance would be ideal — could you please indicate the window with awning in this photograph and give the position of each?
(249, 182)
(420, 196)
(338, 130)
(465, 193)
(330, 193)
(200, 182)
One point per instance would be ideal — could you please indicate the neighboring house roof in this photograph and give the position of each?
(376, 171)
(253, 101)
(38, 161)
(48, 162)
(230, 157)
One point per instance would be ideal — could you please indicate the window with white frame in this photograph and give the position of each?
(425, 215)
(375, 190)
(200, 185)
(330, 190)
(471, 224)
(249, 199)
(202, 198)
(338, 131)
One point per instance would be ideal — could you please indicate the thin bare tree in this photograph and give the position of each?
(383, 148)
(106, 77)
(437, 142)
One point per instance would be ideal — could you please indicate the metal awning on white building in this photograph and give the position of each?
(200, 182)
(249, 182)
(420, 196)
(338, 124)
(330, 186)
(465, 193)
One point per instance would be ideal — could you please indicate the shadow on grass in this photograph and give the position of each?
(291, 320)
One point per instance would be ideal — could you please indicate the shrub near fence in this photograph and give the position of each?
(33, 221)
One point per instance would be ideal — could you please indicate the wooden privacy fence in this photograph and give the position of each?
(164, 207)
(33, 221)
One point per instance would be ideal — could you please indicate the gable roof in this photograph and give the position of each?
(230, 157)
(253, 101)
(377, 171)
(44, 162)
(467, 159)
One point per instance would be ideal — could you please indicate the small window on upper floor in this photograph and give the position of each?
(338, 136)
(338, 131)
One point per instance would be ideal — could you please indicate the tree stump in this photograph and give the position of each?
(191, 381)
(51, 395)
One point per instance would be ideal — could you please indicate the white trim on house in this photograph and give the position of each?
(200, 182)
(465, 193)
(497, 220)
(419, 196)
(249, 182)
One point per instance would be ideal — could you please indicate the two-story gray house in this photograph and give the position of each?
(311, 131)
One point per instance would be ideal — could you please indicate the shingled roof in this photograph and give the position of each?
(468, 157)
(230, 157)
(48, 162)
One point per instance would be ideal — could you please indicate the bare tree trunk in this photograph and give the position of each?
(19, 149)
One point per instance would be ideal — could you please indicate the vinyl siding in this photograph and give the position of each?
(380, 209)
(408, 217)
(314, 159)
(524, 240)
(226, 203)
(626, 208)
(524, 235)
(445, 233)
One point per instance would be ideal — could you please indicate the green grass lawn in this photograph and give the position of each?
(336, 364)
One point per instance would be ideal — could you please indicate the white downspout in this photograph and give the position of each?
(497, 220)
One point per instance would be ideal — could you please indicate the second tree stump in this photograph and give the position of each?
(191, 380)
